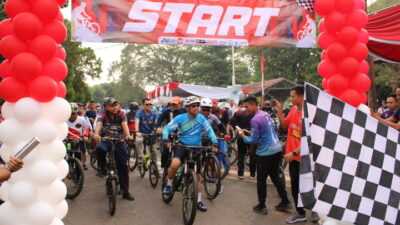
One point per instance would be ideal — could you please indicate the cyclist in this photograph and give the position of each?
(113, 123)
(91, 113)
(131, 116)
(190, 127)
(79, 128)
(146, 121)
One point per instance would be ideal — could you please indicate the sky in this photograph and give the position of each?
(108, 52)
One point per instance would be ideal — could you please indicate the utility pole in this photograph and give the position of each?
(233, 67)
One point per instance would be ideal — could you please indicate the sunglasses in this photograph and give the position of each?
(206, 109)
(148, 104)
(194, 106)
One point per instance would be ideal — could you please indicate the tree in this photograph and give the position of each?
(82, 63)
(2, 17)
(381, 4)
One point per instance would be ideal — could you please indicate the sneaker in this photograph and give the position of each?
(128, 196)
(221, 190)
(260, 209)
(241, 177)
(283, 206)
(314, 218)
(296, 219)
(201, 207)
(167, 190)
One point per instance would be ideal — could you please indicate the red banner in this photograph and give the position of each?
(194, 22)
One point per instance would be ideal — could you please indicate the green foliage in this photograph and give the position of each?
(82, 63)
(2, 16)
(381, 4)
(123, 91)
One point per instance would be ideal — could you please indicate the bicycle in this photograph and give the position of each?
(112, 181)
(75, 178)
(133, 155)
(185, 182)
(211, 173)
(149, 160)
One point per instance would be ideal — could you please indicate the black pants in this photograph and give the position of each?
(243, 149)
(294, 171)
(270, 166)
(121, 159)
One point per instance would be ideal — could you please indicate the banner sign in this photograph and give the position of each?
(194, 22)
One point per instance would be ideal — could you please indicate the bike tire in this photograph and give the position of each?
(189, 199)
(142, 169)
(111, 186)
(233, 155)
(154, 175)
(133, 158)
(77, 177)
(212, 177)
(166, 198)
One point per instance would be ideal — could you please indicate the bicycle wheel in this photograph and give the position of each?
(75, 179)
(189, 200)
(111, 186)
(93, 160)
(153, 174)
(212, 177)
(142, 169)
(233, 155)
(133, 158)
(166, 198)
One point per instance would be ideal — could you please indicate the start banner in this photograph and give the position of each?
(195, 22)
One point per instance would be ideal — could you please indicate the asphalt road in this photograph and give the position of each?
(233, 207)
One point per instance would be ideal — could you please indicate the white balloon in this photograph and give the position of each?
(9, 214)
(7, 110)
(56, 150)
(22, 194)
(10, 131)
(58, 110)
(62, 131)
(43, 172)
(27, 110)
(57, 221)
(6, 151)
(62, 169)
(62, 210)
(20, 175)
(4, 191)
(53, 194)
(41, 213)
(45, 131)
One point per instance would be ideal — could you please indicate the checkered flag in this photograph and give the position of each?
(307, 5)
(350, 165)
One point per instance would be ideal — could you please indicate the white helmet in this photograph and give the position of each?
(206, 102)
(192, 100)
(74, 107)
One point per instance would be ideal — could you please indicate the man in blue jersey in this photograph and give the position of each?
(146, 121)
(268, 155)
(190, 126)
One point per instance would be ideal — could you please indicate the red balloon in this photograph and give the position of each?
(324, 55)
(11, 90)
(364, 67)
(61, 2)
(358, 19)
(349, 67)
(43, 89)
(5, 69)
(364, 98)
(10, 46)
(60, 53)
(337, 84)
(27, 26)
(361, 83)
(363, 36)
(359, 4)
(351, 97)
(321, 25)
(325, 39)
(56, 69)
(348, 36)
(56, 30)
(344, 5)
(324, 7)
(335, 21)
(326, 68)
(325, 84)
(26, 67)
(44, 47)
(14, 7)
(6, 28)
(359, 51)
(60, 16)
(61, 89)
(46, 10)
(336, 52)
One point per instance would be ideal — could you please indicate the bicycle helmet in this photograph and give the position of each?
(206, 102)
(74, 107)
(192, 100)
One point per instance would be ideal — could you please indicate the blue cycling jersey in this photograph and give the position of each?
(190, 129)
(147, 121)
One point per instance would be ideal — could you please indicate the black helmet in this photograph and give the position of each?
(110, 101)
(134, 106)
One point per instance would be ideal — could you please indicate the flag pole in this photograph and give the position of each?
(233, 67)
(262, 61)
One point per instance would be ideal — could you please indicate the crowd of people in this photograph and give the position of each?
(268, 134)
